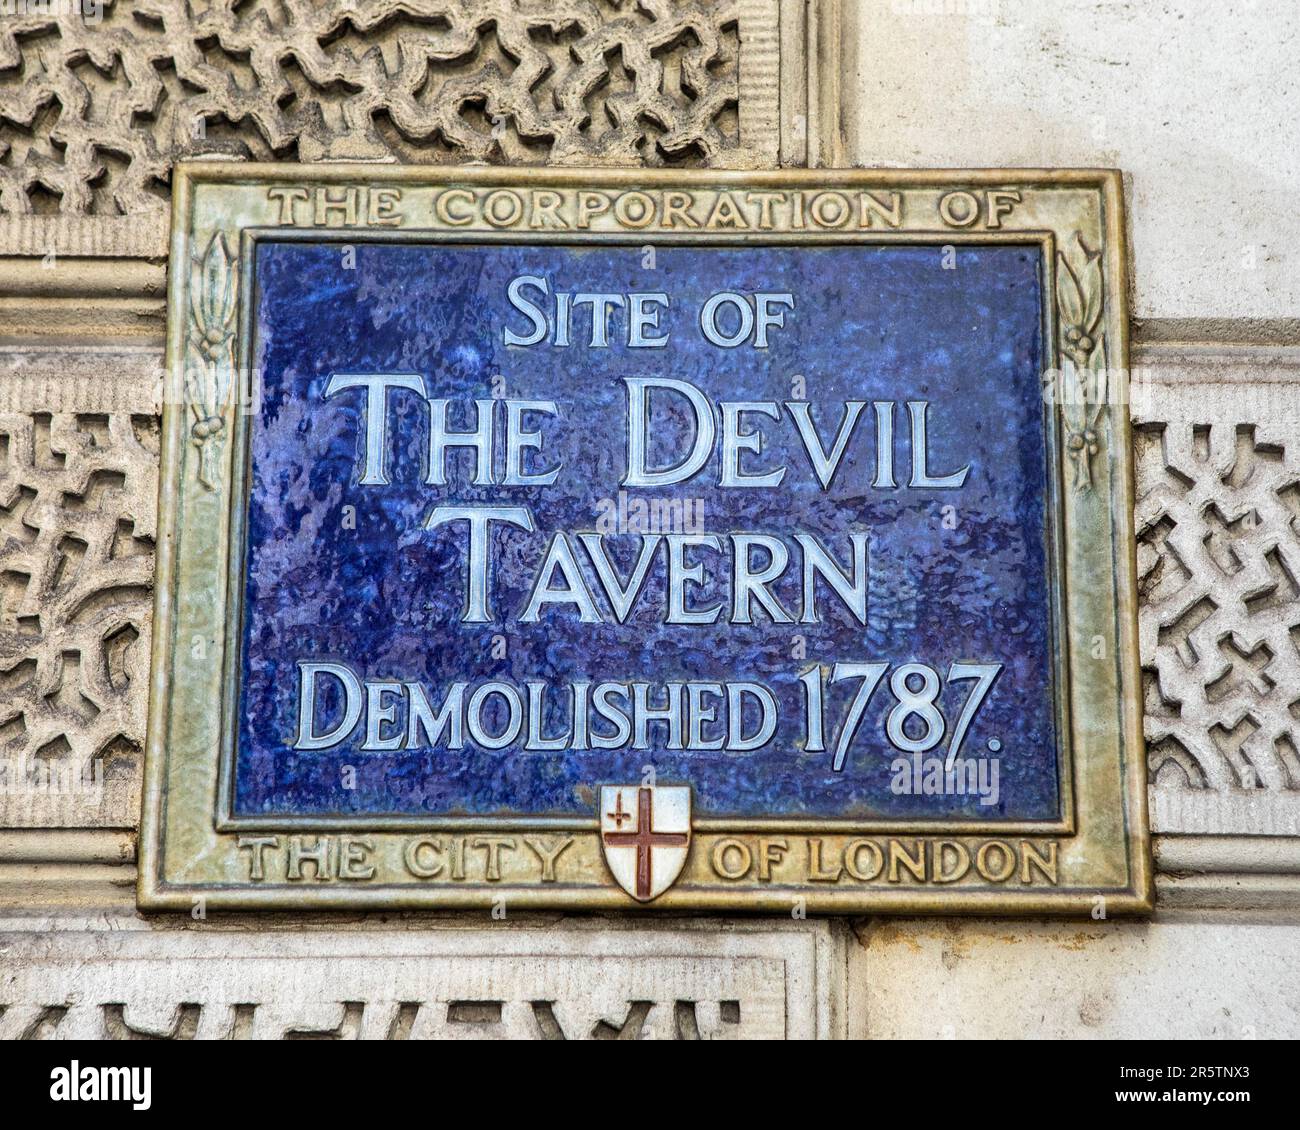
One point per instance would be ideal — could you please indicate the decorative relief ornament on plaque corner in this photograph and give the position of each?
(213, 300)
(645, 833)
(1081, 302)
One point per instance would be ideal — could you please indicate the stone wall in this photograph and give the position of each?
(94, 116)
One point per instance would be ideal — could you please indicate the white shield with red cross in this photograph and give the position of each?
(646, 833)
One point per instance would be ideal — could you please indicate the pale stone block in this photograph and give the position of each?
(1183, 96)
(939, 979)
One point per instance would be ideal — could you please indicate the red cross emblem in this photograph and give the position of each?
(646, 835)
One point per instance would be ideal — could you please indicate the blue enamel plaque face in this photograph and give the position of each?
(834, 582)
(598, 539)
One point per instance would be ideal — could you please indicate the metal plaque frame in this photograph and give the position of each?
(192, 847)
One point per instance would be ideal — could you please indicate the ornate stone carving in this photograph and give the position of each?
(77, 525)
(398, 1020)
(1218, 469)
(94, 114)
(602, 981)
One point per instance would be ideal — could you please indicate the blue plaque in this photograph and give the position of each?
(660, 540)
(946, 548)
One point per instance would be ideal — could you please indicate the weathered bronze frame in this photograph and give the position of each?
(189, 839)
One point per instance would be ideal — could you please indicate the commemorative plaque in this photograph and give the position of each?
(603, 539)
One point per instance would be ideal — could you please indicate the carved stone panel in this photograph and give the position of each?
(598, 983)
(94, 113)
(78, 502)
(1218, 469)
